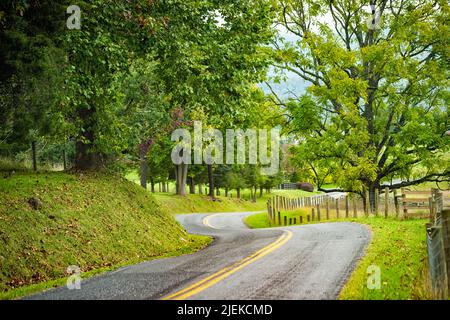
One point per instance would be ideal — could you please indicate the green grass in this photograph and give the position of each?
(257, 221)
(397, 247)
(261, 220)
(200, 203)
(96, 221)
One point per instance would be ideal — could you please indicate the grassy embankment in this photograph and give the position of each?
(96, 221)
(397, 247)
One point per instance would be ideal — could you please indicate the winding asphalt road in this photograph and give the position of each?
(298, 262)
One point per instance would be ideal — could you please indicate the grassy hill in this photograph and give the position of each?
(95, 221)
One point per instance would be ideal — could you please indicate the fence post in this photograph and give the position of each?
(318, 212)
(431, 205)
(405, 211)
(437, 197)
(301, 219)
(377, 202)
(397, 205)
(33, 155)
(386, 201)
(312, 214)
(274, 212)
(367, 204)
(346, 206)
(279, 218)
(337, 208)
(445, 216)
(64, 158)
(328, 208)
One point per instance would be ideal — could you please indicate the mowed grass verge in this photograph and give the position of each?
(261, 220)
(96, 221)
(397, 247)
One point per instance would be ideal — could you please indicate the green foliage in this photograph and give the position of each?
(377, 106)
(31, 65)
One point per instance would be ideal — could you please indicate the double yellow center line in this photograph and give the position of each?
(227, 271)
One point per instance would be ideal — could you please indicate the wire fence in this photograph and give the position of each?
(438, 246)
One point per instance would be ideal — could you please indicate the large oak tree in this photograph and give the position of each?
(377, 106)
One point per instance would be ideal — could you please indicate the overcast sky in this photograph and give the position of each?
(293, 82)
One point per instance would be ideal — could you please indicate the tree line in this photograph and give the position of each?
(375, 111)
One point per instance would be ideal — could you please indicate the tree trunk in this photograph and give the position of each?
(211, 181)
(181, 177)
(33, 155)
(152, 184)
(191, 185)
(261, 191)
(184, 180)
(238, 193)
(163, 186)
(372, 187)
(64, 158)
(226, 191)
(176, 179)
(86, 158)
(200, 188)
(143, 169)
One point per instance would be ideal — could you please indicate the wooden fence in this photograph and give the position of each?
(319, 207)
(387, 203)
(438, 246)
(423, 203)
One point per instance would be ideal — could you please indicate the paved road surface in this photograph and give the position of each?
(297, 262)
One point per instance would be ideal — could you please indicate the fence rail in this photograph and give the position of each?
(319, 207)
(420, 203)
